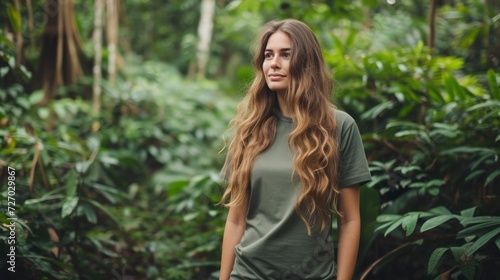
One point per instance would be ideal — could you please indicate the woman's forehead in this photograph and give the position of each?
(279, 41)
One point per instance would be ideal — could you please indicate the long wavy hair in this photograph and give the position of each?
(314, 136)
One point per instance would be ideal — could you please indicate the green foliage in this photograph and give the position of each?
(478, 233)
(134, 191)
(434, 144)
(90, 196)
(433, 131)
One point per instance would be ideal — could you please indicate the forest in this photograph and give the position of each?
(113, 115)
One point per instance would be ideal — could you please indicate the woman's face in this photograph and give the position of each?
(276, 63)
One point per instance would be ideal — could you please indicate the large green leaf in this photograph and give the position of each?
(493, 104)
(105, 210)
(459, 253)
(469, 270)
(435, 222)
(377, 110)
(492, 82)
(479, 161)
(409, 223)
(44, 198)
(440, 210)
(89, 213)
(474, 174)
(112, 194)
(71, 183)
(478, 229)
(492, 177)
(469, 150)
(394, 226)
(388, 218)
(14, 18)
(394, 123)
(480, 219)
(483, 240)
(69, 205)
(434, 259)
(382, 226)
(469, 212)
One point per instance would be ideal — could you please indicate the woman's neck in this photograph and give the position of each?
(284, 109)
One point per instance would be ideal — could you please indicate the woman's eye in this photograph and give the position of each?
(268, 55)
(286, 55)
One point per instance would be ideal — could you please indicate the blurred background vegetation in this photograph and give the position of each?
(112, 112)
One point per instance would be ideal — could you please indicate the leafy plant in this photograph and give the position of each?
(84, 196)
(474, 244)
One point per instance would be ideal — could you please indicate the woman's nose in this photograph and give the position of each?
(275, 62)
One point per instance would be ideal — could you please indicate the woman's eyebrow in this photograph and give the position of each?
(283, 50)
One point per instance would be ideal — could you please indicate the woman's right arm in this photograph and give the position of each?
(234, 229)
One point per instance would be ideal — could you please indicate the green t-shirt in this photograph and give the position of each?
(275, 244)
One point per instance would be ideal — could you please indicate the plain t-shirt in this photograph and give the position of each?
(275, 244)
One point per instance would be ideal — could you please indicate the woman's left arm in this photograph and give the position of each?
(349, 226)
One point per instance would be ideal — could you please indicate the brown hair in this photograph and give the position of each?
(313, 138)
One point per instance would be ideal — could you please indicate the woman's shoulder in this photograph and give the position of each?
(343, 119)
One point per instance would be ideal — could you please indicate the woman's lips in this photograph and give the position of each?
(276, 77)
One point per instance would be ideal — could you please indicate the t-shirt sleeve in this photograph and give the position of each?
(353, 163)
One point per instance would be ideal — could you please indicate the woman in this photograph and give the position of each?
(292, 163)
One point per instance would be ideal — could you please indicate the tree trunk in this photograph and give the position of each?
(59, 63)
(112, 37)
(205, 27)
(19, 37)
(97, 39)
(432, 26)
(31, 26)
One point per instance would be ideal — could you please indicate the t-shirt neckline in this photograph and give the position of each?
(280, 116)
